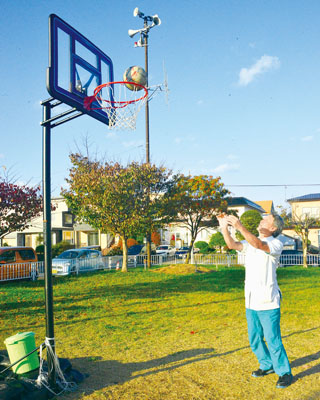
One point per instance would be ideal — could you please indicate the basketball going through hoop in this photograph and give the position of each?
(120, 104)
(135, 74)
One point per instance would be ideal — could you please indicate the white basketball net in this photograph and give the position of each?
(121, 104)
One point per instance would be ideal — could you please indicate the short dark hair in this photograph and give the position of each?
(278, 223)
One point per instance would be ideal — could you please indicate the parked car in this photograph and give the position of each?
(144, 249)
(166, 250)
(76, 259)
(92, 247)
(17, 262)
(135, 249)
(182, 252)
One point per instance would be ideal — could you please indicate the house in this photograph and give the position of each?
(81, 235)
(267, 205)
(179, 236)
(63, 227)
(308, 204)
(62, 222)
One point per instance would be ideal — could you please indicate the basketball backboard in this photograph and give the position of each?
(76, 67)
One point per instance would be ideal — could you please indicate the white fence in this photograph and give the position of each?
(297, 259)
(10, 272)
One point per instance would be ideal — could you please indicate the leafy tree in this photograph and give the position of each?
(19, 204)
(123, 200)
(202, 246)
(301, 225)
(217, 241)
(250, 220)
(200, 199)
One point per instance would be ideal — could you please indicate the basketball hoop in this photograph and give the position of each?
(118, 102)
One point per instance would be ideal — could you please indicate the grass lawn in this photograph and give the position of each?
(159, 336)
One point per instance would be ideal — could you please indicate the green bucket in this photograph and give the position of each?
(19, 346)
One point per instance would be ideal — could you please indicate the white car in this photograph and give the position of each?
(77, 260)
(166, 250)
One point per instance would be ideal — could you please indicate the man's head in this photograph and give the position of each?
(271, 225)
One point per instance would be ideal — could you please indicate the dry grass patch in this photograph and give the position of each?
(182, 269)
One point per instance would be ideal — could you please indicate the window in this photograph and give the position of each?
(67, 219)
(313, 212)
(93, 238)
(84, 254)
(28, 240)
(68, 236)
(8, 256)
(27, 254)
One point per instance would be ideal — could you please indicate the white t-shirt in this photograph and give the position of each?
(261, 287)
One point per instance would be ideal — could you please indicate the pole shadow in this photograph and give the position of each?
(112, 372)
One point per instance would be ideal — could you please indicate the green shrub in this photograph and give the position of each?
(40, 252)
(202, 246)
(61, 247)
(250, 220)
(115, 251)
(40, 249)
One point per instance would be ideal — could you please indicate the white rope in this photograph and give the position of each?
(42, 379)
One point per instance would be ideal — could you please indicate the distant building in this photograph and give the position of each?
(63, 227)
(179, 236)
(267, 205)
(308, 204)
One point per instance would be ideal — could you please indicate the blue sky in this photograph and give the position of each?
(244, 80)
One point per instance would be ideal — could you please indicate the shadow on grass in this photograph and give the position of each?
(216, 282)
(111, 372)
(306, 360)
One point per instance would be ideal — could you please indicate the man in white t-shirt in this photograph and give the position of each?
(262, 293)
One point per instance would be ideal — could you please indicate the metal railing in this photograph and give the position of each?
(219, 259)
(10, 272)
(297, 259)
(27, 270)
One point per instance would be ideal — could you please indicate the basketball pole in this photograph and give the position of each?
(47, 240)
(143, 42)
(147, 102)
(47, 123)
(148, 235)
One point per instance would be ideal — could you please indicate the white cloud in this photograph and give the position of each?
(226, 167)
(264, 64)
(1, 155)
(307, 138)
(178, 140)
(200, 102)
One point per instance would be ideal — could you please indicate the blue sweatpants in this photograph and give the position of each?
(266, 325)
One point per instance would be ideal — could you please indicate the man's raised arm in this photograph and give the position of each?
(230, 242)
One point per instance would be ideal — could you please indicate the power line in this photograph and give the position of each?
(282, 185)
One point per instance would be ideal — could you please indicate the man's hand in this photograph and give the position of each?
(234, 221)
(223, 223)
